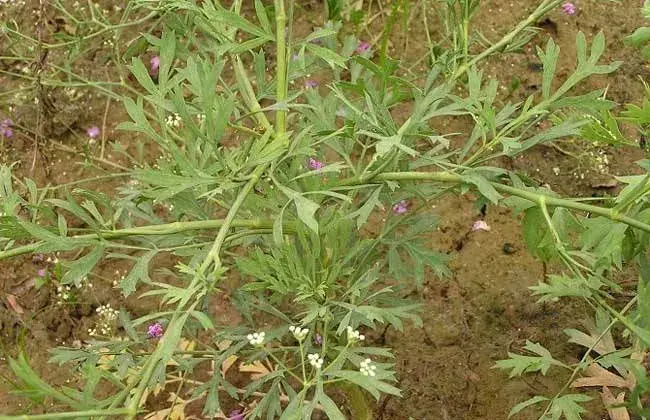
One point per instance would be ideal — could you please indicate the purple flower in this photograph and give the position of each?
(154, 65)
(315, 164)
(236, 414)
(93, 132)
(363, 47)
(311, 84)
(5, 128)
(155, 330)
(401, 207)
(569, 8)
(480, 225)
(42, 272)
(318, 339)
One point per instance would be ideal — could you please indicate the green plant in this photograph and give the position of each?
(286, 201)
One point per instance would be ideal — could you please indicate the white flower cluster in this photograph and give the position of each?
(107, 317)
(256, 339)
(63, 294)
(354, 335)
(315, 360)
(173, 120)
(299, 333)
(367, 368)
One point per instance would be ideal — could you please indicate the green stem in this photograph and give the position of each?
(302, 362)
(580, 364)
(537, 198)
(281, 88)
(228, 222)
(158, 355)
(152, 230)
(540, 11)
(285, 367)
(71, 415)
(87, 37)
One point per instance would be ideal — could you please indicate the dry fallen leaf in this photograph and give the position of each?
(14, 304)
(177, 412)
(227, 364)
(256, 369)
(615, 413)
(596, 375)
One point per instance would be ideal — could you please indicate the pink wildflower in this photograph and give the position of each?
(315, 164)
(401, 207)
(42, 272)
(155, 330)
(154, 65)
(480, 225)
(311, 84)
(5, 128)
(363, 47)
(93, 132)
(569, 8)
(237, 414)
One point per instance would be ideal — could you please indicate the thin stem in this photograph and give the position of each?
(213, 255)
(537, 198)
(281, 88)
(302, 361)
(347, 346)
(586, 355)
(544, 7)
(285, 367)
(71, 415)
(86, 181)
(152, 230)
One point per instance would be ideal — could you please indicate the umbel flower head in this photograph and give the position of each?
(355, 335)
(367, 368)
(299, 333)
(315, 360)
(256, 339)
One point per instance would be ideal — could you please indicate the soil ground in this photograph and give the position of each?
(471, 319)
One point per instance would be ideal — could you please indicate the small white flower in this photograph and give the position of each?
(299, 333)
(256, 339)
(173, 120)
(367, 368)
(556, 171)
(315, 360)
(354, 335)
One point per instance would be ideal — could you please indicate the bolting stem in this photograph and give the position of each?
(537, 198)
(152, 230)
(540, 11)
(70, 415)
(281, 69)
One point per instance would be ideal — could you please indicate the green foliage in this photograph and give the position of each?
(520, 364)
(274, 186)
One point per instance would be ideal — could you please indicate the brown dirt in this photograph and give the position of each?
(470, 320)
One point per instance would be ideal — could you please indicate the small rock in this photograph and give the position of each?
(509, 248)
(610, 183)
